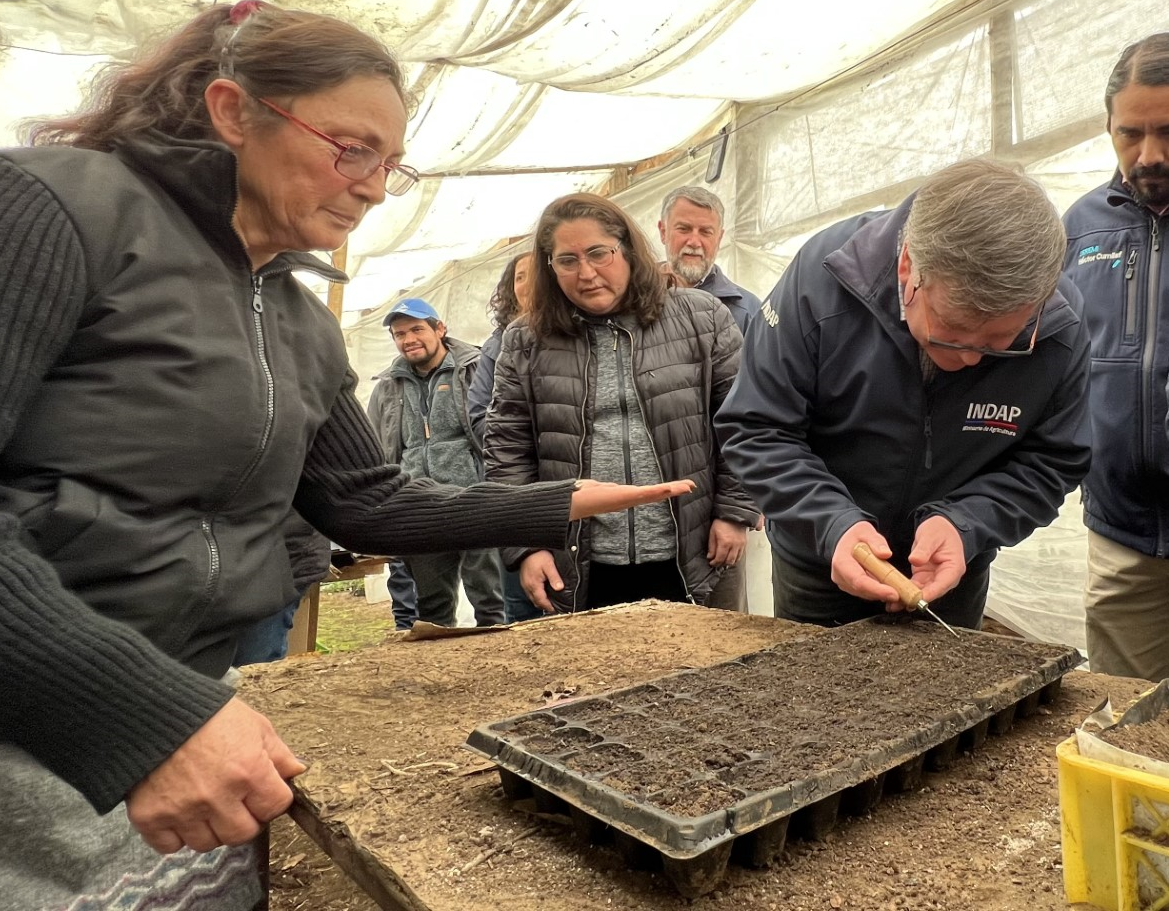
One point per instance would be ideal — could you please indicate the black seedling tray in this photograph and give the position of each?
(680, 770)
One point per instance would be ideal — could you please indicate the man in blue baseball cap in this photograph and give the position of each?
(419, 409)
(411, 306)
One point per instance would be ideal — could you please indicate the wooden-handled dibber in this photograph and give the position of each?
(888, 574)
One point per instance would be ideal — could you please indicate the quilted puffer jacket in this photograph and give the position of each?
(683, 368)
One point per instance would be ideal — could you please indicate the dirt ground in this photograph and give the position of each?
(968, 837)
(301, 876)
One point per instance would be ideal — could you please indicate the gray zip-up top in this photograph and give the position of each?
(830, 421)
(1118, 256)
(423, 421)
(620, 450)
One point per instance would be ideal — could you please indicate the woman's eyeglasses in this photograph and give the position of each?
(355, 160)
(569, 263)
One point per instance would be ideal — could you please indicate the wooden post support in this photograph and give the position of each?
(336, 291)
(303, 635)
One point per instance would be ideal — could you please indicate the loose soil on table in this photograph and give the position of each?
(443, 821)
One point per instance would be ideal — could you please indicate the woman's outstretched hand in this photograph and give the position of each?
(592, 498)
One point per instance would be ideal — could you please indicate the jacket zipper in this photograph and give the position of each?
(269, 383)
(1130, 296)
(627, 456)
(1148, 394)
(425, 403)
(928, 417)
(207, 523)
(213, 565)
(584, 414)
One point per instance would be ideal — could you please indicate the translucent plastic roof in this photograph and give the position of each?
(579, 87)
(832, 106)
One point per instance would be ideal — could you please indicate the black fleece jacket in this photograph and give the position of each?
(162, 408)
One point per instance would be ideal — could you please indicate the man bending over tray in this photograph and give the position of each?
(916, 381)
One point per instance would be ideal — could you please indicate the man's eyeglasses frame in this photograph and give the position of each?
(400, 178)
(974, 349)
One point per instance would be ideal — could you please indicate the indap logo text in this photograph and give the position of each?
(991, 412)
(991, 418)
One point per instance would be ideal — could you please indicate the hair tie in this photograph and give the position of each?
(236, 17)
(243, 9)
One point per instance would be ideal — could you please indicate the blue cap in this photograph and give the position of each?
(414, 307)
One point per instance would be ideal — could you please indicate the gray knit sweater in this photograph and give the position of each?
(621, 451)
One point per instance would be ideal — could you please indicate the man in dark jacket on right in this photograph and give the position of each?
(1117, 257)
(915, 382)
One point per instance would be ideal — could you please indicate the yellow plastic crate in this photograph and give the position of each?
(1115, 829)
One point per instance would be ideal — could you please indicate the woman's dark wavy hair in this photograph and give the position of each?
(552, 312)
(272, 53)
(504, 306)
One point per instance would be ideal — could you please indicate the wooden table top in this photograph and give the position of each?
(421, 823)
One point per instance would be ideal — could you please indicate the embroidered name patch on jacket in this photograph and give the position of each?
(992, 418)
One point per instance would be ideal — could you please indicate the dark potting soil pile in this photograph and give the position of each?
(1150, 738)
(383, 728)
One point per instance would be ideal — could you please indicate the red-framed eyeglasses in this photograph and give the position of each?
(357, 161)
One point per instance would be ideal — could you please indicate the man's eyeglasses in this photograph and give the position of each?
(976, 349)
(357, 161)
(569, 263)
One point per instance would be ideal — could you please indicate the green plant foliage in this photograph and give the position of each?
(346, 621)
(344, 587)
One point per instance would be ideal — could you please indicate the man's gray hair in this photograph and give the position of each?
(990, 234)
(699, 196)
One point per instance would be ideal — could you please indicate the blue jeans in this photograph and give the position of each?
(403, 595)
(516, 603)
(268, 639)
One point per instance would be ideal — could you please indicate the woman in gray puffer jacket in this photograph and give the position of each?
(615, 376)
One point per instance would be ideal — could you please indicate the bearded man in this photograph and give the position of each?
(691, 229)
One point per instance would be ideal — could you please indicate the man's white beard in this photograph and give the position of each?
(692, 275)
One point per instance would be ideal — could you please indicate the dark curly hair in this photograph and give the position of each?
(504, 306)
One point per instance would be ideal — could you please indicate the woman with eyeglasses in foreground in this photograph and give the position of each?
(614, 376)
(169, 392)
